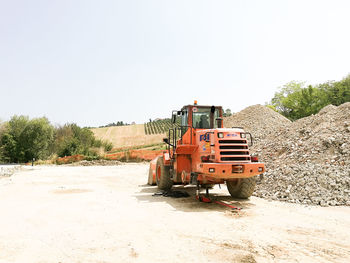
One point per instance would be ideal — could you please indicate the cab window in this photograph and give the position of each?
(184, 118)
(184, 122)
(202, 119)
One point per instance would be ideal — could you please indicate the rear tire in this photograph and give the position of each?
(241, 188)
(163, 175)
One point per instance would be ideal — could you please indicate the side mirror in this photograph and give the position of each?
(166, 140)
(173, 119)
(219, 122)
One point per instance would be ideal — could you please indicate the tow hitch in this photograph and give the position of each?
(206, 199)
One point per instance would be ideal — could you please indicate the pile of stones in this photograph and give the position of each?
(307, 161)
(8, 170)
(96, 163)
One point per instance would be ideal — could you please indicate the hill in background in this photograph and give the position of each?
(127, 136)
(133, 135)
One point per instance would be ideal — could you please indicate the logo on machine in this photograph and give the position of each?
(204, 137)
(233, 135)
(206, 146)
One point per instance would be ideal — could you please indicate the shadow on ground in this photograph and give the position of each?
(191, 204)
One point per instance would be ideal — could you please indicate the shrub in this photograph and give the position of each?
(107, 146)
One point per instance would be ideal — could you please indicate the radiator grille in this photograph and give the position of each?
(234, 150)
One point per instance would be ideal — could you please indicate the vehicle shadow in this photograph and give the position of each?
(191, 204)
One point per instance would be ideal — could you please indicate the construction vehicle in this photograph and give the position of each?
(201, 152)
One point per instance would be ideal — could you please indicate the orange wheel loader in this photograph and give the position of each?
(201, 152)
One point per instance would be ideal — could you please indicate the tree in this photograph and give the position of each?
(26, 139)
(286, 100)
(2, 130)
(295, 101)
(36, 139)
(336, 92)
(70, 139)
(10, 139)
(228, 112)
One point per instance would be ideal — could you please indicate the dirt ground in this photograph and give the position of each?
(108, 214)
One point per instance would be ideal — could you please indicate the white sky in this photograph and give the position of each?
(96, 62)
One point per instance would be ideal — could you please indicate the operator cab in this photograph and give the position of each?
(191, 118)
(201, 117)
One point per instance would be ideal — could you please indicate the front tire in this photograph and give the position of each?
(163, 175)
(241, 188)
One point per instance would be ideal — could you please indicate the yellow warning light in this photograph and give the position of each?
(195, 102)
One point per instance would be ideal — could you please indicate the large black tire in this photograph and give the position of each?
(241, 188)
(163, 175)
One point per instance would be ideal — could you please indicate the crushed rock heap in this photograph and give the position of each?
(262, 122)
(307, 161)
(8, 170)
(96, 163)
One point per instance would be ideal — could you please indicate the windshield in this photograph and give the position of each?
(201, 118)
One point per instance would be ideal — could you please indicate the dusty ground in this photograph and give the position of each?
(130, 135)
(108, 214)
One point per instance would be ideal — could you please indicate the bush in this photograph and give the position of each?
(92, 158)
(108, 146)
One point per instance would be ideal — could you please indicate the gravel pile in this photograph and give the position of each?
(8, 170)
(307, 161)
(262, 122)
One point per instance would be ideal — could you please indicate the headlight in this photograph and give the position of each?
(243, 135)
(220, 135)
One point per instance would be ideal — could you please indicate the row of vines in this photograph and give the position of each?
(159, 126)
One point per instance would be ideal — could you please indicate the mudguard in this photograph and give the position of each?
(152, 171)
(153, 164)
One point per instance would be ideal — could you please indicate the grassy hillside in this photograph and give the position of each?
(127, 136)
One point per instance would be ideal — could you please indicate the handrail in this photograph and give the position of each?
(172, 138)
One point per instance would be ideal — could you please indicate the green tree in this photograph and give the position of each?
(2, 130)
(336, 92)
(228, 112)
(295, 101)
(26, 139)
(10, 139)
(36, 138)
(286, 100)
(70, 139)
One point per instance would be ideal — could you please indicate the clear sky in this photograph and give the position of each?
(97, 62)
